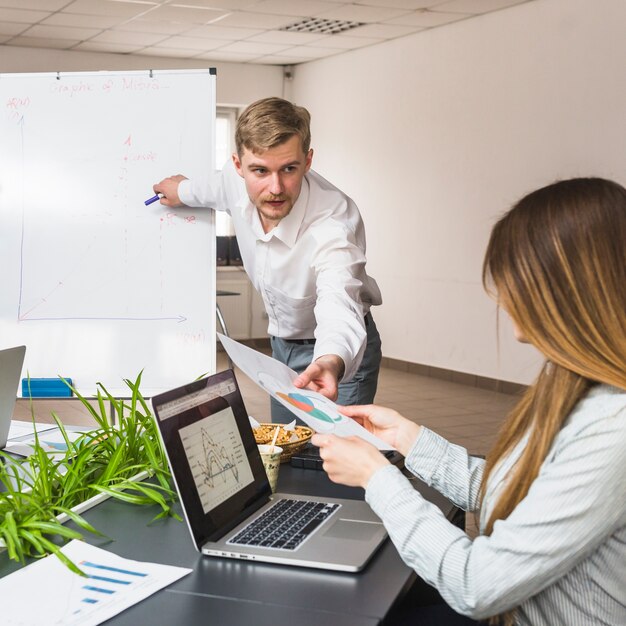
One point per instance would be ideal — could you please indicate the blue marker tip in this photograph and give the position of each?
(153, 199)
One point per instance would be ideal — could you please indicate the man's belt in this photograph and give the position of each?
(310, 342)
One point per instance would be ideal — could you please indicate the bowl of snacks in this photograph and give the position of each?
(289, 437)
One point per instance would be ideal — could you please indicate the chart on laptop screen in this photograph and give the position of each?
(217, 458)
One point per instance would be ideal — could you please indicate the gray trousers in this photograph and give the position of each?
(360, 390)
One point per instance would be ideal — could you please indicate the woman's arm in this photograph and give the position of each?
(448, 468)
(445, 466)
(577, 502)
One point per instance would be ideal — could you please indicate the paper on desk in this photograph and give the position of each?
(50, 440)
(315, 410)
(19, 447)
(19, 428)
(64, 598)
(21, 439)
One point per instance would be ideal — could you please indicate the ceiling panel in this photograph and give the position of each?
(21, 16)
(288, 38)
(43, 42)
(219, 31)
(44, 5)
(311, 52)
(81, 21)
(107, 7)
(191, 43)
(12, 28)
(300, 8)
(429, 19)
(153, 26)
(358, 13)
(383, 31)
(190, 15)
(136, 40)
(61, 32)
(475, 6)
(266, 21)
(115, 48)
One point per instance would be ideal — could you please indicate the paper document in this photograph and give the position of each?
(63, 598)
(50, 439)
(19, 428)
(314, 409)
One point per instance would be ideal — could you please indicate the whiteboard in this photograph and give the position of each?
(97, 285)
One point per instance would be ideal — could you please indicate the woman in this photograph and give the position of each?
(552, 492)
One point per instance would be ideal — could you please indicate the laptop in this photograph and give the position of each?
(226, 497)
(11, 363)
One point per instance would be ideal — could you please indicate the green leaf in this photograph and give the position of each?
(54, 549)
(34, 539)
(80, 521)
(9, 532)
(113, 464)
(53, 528)
(168, 513)
(122, 495)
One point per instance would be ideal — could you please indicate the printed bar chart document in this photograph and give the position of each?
(63, 598)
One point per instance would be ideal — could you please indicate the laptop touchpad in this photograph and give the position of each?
(345, 529)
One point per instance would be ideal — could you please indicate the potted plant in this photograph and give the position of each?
(122, 460)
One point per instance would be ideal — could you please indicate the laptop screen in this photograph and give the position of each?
(212, 453)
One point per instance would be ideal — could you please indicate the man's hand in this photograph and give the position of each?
(168, 188)
(323, 375)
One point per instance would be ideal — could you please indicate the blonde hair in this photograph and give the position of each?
(557, 263)
(270, 122)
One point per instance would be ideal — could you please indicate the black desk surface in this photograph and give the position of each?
(229, 592)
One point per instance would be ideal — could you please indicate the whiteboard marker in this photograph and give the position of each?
(153, 199)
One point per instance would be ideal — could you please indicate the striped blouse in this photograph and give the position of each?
(560, 556)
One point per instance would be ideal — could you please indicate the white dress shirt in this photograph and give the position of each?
(309, 270)
(560, 556)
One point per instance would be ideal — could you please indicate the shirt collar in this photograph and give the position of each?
(288, 228)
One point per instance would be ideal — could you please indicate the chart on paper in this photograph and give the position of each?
(110, 585)
(217, 458)
(316, 411)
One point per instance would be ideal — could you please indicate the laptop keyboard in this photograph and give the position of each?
(285, 525)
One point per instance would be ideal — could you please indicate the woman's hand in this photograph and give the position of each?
(349, 460)
(386, 424)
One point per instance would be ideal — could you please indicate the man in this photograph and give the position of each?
(302, 242)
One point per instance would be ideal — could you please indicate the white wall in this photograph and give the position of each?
(237, 83)
(435, 134)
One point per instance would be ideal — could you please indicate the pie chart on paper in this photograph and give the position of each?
(306, 404)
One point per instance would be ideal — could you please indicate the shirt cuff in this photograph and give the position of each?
(426, 454)
(185, 193)
(322, 350)
(383, 486)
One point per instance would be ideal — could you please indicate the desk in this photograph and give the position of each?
(236, 593)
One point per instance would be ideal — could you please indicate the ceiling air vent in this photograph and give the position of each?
(320, 26)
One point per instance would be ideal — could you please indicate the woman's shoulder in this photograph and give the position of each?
(594, 436)
(602, 409)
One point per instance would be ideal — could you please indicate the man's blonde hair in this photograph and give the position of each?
(269, 122)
